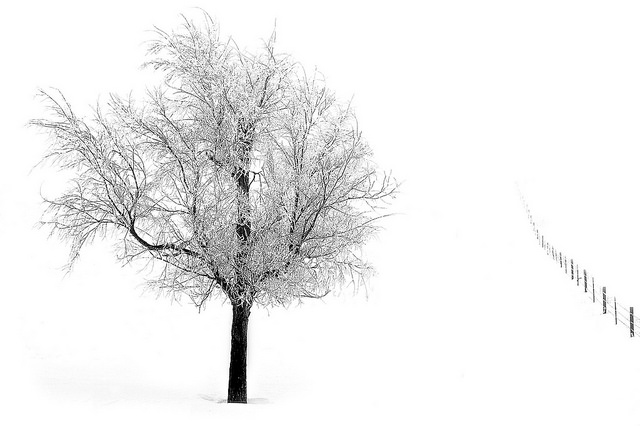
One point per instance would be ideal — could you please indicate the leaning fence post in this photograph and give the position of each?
(631, 322)
(604, 300)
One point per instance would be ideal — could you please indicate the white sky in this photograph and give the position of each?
(460, 99)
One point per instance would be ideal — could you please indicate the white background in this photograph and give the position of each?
(466, 321)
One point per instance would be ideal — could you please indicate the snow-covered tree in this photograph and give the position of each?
(241, 174)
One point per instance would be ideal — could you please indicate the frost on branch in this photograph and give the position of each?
(241, 174)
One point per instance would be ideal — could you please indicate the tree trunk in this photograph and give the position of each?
(238, 364)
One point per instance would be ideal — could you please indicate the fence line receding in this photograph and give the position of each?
(598, 295)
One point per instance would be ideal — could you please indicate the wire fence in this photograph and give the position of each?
(609, 304)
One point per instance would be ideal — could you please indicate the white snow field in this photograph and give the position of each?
(492, 333)
(467, 322)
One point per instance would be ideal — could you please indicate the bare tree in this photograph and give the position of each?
(241, 174)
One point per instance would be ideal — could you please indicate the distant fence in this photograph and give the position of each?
(610, 305)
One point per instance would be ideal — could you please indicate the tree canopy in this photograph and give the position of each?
(242, 174)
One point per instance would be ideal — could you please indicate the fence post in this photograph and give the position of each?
(543, 241)
(560, 260)
(615, 309)
(593, 289)
(571, 269)
(604, 300)
(577, 275)
(565, 265)
(631, 322)
(586, 281)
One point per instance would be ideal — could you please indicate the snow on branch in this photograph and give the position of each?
(242, 174)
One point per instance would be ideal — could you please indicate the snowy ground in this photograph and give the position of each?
(467, 320)
(502, 338)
